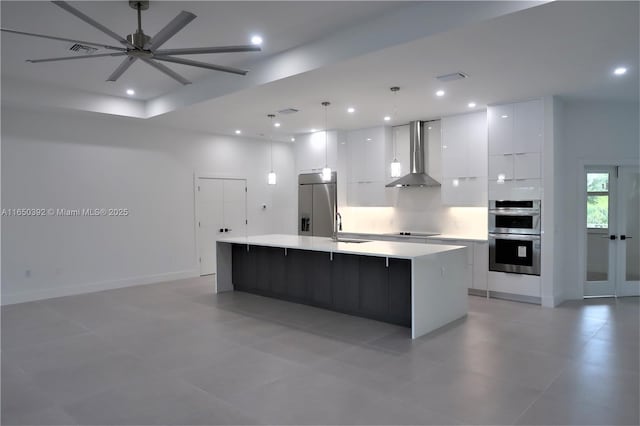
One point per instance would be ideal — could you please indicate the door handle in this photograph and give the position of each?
(612, 237)
(227, 229)
(221, 230)
(624, 237)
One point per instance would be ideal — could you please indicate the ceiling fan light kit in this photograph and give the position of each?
(141, 46)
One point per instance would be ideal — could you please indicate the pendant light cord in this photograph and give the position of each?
(326, 136)
(271, 117)
(394, 90)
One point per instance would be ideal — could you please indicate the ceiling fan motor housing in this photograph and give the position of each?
(139, 4)
(138, 39)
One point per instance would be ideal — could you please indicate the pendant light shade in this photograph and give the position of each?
(271, 177)
(326, 171)
(396, 167)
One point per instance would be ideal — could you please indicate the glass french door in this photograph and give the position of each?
(612, 237)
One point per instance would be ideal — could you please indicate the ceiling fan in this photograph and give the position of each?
(140, 46)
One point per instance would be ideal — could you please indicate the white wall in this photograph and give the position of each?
(594, 133)
(80, 160)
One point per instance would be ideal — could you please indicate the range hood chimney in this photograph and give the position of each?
(417, 148)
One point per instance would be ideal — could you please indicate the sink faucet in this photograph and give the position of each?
(339, 218)
(337, 225)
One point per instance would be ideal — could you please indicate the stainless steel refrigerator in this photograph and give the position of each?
(316, 205)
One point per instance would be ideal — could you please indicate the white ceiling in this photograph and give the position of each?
(560, 48)
(283, 25)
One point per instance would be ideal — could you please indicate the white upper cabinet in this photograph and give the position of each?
(516, 132)
(528, 127)
(367, 152)
(500, 121)
(310, 151)
(464, 160)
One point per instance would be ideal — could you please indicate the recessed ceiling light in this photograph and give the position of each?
(238, 131)
(276, 124)
(368, 139)
(440, 93)
(504, 116)
(620, 71)
(387, 118)
(313, 130)
(293, 139)
(256, 39)
(351, 110)
(132, 92)
(429, 128)
(471, 105)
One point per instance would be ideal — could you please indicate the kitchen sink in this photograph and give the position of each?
(345, 240)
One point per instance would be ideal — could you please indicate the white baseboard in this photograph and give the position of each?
(48, 293)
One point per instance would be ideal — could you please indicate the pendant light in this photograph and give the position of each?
(396, 167)
(271, 177)
(326, 171)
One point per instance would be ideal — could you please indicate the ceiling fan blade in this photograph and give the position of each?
(72, 10)
(124, 65)
(200, 64)
(105, 46)
(67, 58)
(176, 24)
(204, 50)
(168, 71)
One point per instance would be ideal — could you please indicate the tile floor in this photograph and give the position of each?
(175, 354)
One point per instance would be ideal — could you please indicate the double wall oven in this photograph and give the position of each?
(514, 236)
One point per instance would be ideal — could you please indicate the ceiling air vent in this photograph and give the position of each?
(452, 77)
(288, 111)
(82, 48)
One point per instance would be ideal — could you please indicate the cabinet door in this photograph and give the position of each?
(480, 265)
(243, 269)
(374, 142)
(356, 157)
(319, 277)
(528, 126)
(401, 135)
(455, 157)
(500, 190)
(297, 270)
(400, 291)
(277, 271)
(526, 165)
(501, 167)
(500, 120)
(374, 286)
(526, 189)
(263, 268)
(344, 281)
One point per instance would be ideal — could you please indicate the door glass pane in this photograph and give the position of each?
(597, 226)
(598, 211)
(632, 206)
(597, 182)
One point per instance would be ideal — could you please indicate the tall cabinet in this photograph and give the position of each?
(516, 133)
(464, 165)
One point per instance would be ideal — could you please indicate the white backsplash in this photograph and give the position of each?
(418, 210)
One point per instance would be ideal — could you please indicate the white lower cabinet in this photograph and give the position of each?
(480, 265)
(515, 284)
(477, 260)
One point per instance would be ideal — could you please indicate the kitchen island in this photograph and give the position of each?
(422, 286)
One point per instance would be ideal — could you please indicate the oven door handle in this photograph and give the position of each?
(522, 237)
(515, 212)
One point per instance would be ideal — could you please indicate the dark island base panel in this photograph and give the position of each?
(357, 285)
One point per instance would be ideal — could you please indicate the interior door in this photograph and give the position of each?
(613, 243)
(628, 242)
(210, 220)
(235, 208)
(222, 212)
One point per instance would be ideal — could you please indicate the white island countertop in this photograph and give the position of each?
(395, 249)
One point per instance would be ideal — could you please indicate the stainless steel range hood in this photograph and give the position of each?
(417, 148)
